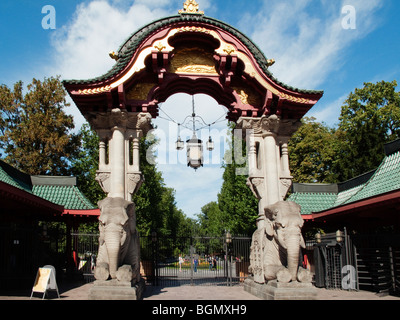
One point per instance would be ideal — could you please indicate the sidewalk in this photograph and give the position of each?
(80, 291)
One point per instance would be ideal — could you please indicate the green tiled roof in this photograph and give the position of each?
(68, 196)
(14, 177)
(312, 202)
(384, 179)
(58, 190)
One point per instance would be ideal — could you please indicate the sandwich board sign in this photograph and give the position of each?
(45, 280)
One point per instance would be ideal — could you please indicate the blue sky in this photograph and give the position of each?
(306, 38)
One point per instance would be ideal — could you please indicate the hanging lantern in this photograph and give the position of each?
(194, 152)
(194, 148)
(210, 144)
(179, 144)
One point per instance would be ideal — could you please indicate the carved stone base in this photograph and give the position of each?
(274, 290)
(117, 290)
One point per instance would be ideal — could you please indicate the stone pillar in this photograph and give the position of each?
(119, 177)
(263, 159)
(117, 163)
(102, 153)
(271, 174)
(285, 158)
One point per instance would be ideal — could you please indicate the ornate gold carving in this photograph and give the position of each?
(194, 61)
(95, 90)
(139, 91)
(159, 46)
(291, 98)
(243, 96)
(229, 50)
(248, 96)
(193, 29)
(190, 6)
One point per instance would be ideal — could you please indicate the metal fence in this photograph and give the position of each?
(205, 260)
(358, 262)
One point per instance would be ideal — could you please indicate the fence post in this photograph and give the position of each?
(392, 273)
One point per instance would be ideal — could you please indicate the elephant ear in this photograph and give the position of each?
(103, 216)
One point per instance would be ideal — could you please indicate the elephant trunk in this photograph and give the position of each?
(112, 240)
(293, 251)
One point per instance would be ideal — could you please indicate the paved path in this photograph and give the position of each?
(187, 292)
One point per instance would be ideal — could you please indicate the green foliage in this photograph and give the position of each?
(237, 208)
(155, 203)
(312, 153)
(86, 163)
(370, 117)
(36, 132)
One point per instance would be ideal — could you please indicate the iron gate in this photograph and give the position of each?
(371, 262)
(205, 260)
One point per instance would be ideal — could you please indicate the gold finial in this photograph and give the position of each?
(190, 6)
(270, 62)
(113, 55)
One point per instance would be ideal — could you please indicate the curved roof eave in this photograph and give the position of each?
(130, 45)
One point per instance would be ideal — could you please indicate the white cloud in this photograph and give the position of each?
(328, 113)
(306, 37)
(81, 47)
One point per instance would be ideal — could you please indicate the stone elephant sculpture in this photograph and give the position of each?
(278, 245)
(119, 248)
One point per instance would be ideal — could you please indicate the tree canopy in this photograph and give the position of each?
(370, 118)
(36, 133)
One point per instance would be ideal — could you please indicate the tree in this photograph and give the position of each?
(211, 220)
(155, 203)
(36, 133)
(370, 117)
(86, 163)
(237, 207)
(312, 153)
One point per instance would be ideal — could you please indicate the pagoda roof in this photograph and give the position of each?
(62, 191)
(129, 47)
(324, 199)
(57, 192)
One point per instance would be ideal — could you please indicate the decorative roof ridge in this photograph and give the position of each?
(315, 188)
(131, 44)
(356, 181)
(38, 180)
(19, 178)
(392, 147)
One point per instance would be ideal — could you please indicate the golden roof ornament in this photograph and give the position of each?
(190, 7)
